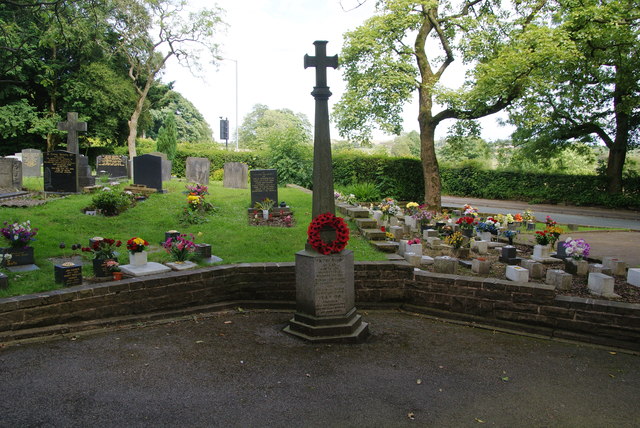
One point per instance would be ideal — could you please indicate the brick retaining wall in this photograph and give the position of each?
(529, 307)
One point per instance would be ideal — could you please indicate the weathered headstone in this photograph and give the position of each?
(10, 175)
(60, 172)
(264, 184)
(31, 163)
(236, 175)
(84, 172)
(166, 165)
(72, 126)
(325, 295)
(147, 170)
(198, 170)
(115, 166)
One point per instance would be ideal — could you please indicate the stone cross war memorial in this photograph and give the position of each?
(325, 294)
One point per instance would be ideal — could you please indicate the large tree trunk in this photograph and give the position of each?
(430, 169)
(133, 122)
(615, 163)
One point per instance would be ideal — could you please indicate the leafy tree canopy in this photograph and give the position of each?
(258, 126)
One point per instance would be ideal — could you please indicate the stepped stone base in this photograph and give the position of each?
(346, 329)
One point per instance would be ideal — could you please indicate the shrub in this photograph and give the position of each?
(218, 175)
(111, 201)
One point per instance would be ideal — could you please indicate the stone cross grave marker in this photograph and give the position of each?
(60, 172)
(264, 184)
(10, 175)
(31, 163)
(72, 126)
(235, 175)
(325, 296)
(198, 170)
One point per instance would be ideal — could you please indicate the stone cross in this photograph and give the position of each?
(72, 126)
(323, 200)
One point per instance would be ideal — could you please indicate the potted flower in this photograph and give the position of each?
(114, 267)
(554, 233)
(103, 249)
(542, 249)
(458, 242)
(466, 225)
(19, 235)
(137, 253)
(423, 217)
(410, 210)
(389, 209)
(469, 211)
(577, 250)
(265, 206)
(487, 228)
(179, 248)
(414, 246)
(509, 234)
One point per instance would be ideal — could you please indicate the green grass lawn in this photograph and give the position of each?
(228, 231)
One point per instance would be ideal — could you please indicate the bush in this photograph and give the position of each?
(111, 201)
(218, 175)
(364, 192)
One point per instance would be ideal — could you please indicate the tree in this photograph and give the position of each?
(178, 33)
(464, 143)
(592, 97)
(257, 126)
(388, 58)
(168, 137)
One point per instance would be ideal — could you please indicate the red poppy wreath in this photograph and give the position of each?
(328, 220)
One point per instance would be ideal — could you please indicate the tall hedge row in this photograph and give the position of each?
(402, 179)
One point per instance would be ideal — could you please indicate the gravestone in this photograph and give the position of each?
(198, 170)
(236, 175)
(60, 172)
(84, 172)
(264, 184)
(10, 175)
(166, 165)
(31, 163)
(115, 166)
(147, 170)
(325, 295)
(72, 126)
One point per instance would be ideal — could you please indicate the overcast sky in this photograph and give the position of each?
(268, 40)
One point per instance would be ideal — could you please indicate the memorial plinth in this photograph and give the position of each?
(325, 299)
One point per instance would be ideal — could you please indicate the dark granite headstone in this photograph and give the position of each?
(31, 163)
(509, 255)
(561, 252)
(166, 165)
(235, 175)
(68, 274)
(60, 171)
(197, 170)
(10, 174)
(115, 166)
(147, 170)
(264, 184)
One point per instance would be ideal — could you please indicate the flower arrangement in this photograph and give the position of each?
(423, 216)
(470, 211)
(103, 248)
(265, 204)
(489, 225)
(337, 195)
(323, 221)
(528, 216)
(509, 234)
(4, 258)
(412, 208)
(389, 208)
(197, 190)
(389, 236)
(442, 216)
(518, 217)
(179, 248)
(112, 266)
(19, 234)
(508, 218)
(576, 248)
(550, 222)
(542, 237)
(456, 240)
(413, 241)
(136, 245)
(554, 233)
(466, 222)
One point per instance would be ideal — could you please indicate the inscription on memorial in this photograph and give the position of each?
(60, 172)
(113, 165)
(264, 184)
(330, 282)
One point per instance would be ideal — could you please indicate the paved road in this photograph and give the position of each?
(240, 370)
(585, 216)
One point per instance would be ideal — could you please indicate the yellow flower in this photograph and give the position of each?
(193, 199)
(139, 241)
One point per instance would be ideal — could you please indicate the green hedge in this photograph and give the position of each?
(402, 179)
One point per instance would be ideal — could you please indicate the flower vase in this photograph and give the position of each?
(117, 276)
(467, 232)
(510, 239)
(138, 258)
(265, 214)
(485, 236)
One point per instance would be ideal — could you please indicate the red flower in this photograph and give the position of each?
(323, 221)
